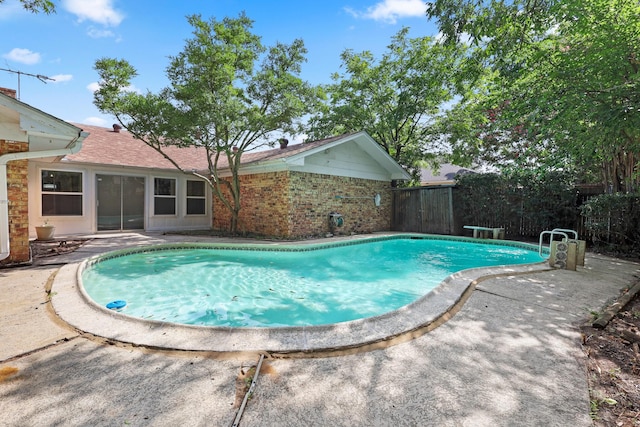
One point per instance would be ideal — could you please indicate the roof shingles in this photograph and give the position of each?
(103, 146)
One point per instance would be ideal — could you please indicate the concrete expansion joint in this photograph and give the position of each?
(39, 349)
(249, 392)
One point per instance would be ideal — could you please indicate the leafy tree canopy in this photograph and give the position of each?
(551, 83)
(394, 98)
(228, 94)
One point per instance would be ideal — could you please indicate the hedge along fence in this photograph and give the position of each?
(525, 204)
(612, 222)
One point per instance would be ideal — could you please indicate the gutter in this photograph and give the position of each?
(74, 146)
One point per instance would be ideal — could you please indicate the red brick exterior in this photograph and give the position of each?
(17, 188)
(296, 205)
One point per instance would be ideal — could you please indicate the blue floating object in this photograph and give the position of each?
(115, 305)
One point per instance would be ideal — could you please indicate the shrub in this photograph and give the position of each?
(525, 203)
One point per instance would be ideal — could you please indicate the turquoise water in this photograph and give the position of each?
(241, 288)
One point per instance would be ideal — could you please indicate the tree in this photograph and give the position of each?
(228, 94)
(36, 6)
(565, 73)
(394, 99)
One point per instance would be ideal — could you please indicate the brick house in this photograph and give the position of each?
(25, 133)
(86, 179)
(117, 183)
(122, 184)
(291, 192)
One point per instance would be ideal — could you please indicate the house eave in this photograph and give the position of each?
(156, 170)
(21, 122)
(296, 161)
(46, 135)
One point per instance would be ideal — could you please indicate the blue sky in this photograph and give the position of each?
(64, 46)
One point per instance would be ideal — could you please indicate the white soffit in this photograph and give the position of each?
(22, 123)
(362, 139)
(367, 145)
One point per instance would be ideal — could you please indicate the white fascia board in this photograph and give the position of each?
(277, 165)
(297, 161)
(111, 168)
(349, 174)
(43, 130)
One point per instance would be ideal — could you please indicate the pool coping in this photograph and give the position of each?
(74, 306)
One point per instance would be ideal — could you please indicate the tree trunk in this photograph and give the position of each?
(234, 222)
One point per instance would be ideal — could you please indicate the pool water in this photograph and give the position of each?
(274, 288)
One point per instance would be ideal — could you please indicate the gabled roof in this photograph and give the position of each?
(44, 132)
(295, 156)
(253, 157)
(106, 147)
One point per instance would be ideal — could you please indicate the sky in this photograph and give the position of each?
(62, 48)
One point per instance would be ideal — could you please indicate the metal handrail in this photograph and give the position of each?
(566, 230)
(556, 231)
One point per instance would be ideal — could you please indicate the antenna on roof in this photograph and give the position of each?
(40, 77)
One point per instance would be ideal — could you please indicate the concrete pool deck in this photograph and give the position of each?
(510, 356)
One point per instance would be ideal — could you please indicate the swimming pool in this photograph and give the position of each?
(288, 285)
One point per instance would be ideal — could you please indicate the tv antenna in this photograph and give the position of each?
(40, 77)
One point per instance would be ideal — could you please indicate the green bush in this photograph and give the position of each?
(525, 203)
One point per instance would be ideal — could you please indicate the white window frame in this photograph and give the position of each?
(190, 197)
(80, 193)
(166, 196)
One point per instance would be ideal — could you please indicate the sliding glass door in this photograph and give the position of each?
(120, 201)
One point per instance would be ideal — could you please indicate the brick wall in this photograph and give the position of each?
(297, 204)
(265, 202)
(314, 197)
(17, 188)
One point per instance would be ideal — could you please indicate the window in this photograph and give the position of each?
(196, 199)
(164, 200)
(61, 193)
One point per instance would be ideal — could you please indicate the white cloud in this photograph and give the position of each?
(93, 87)
(59, 78)
(132, 88)
(24, 56)
(390, 10)
(98, 34)
(99, 11)
(96, 121)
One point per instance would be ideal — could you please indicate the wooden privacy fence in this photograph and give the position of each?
(424, 210)
(441, 210)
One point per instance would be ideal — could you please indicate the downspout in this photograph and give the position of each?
(72, 148)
